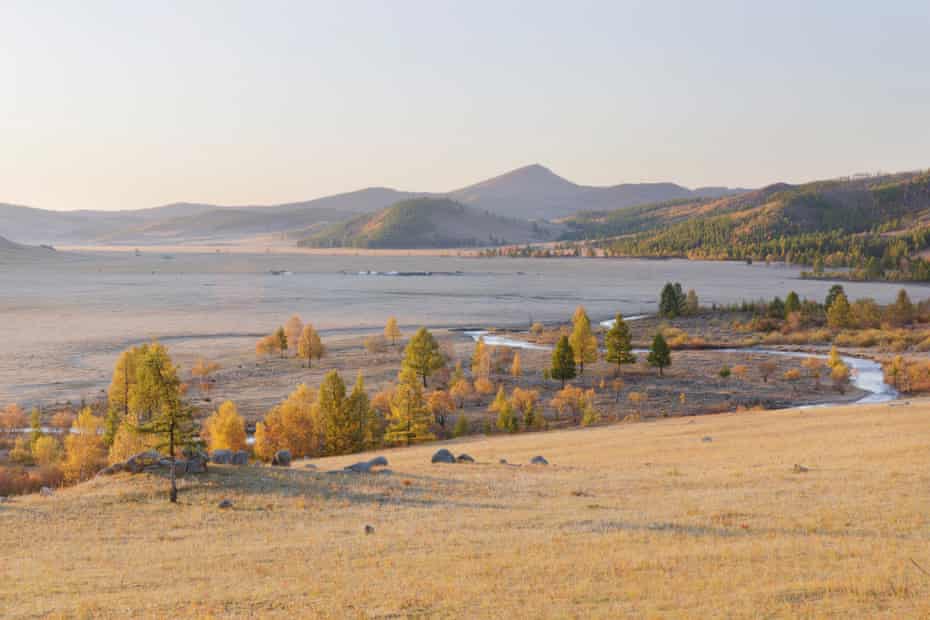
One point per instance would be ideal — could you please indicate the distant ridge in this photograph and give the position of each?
(531, 192)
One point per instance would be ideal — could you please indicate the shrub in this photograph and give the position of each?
(376, 344)
(19, 481)
(724, 372)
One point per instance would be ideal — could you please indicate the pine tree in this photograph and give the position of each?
(792, 303)
(423, 355)
(659, 355)
(309, 345)
(281, 338)
(563, 361)
(391, 330)
(410, 420)
(670, 301)
(583, 342)
(619, 343)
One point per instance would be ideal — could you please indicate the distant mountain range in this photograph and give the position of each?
(529, 193)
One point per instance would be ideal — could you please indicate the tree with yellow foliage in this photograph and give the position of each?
(46, 451)
(516, 369)
(582, 340)
(483, 387)
(410, 420)
(84, 448)
(309, 345)
(292, 331)
(480, 360)
(392, 331)
(292, 425)
(225, 428)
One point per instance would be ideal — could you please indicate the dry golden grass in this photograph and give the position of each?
(636, 520)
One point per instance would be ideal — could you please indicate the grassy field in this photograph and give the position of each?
(641, 520)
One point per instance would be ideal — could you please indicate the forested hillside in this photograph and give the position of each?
(878, 227)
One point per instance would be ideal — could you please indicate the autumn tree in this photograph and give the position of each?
(839, 315)
(47, 451)
(524, 405)
(619, 343)
(367, 425)
(225, 428)
(835, 290)
(35, 426)
(480, 359)
(515, 368)
(392, 331)
(119, 394)
(563, 361)
(292, 331)
(692, 305)
(410, 420)
(461, 426)
(201, 371)
(839, 375)
(341, 433)
(461, 391)
(571, 400)
(792, 303)
(158, 398)
(901, 312)
(582, 340)
(483, 387)
(660, 356)
(423, 355)
(84, 448)
(12, 418)
(440, 405)
(267, 346)
(767, 368)
(309, 345)
(292, 425)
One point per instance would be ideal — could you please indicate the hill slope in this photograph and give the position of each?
(866, 223)
(15, 252)
(632, 520)
(428, 223)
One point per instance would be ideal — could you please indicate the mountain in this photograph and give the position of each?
(15, 252)
(531, 192)
(429, 223)
(535, 192)
(877, 225)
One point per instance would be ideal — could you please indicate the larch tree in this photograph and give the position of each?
(309, 345)
(423, 355)
(392, 331)
(563, 361)
(201, 370)
(461, 391)
(619, 343)
(85, 453)
(410, 420)
(340, 431)
(120, 391)
(368, 430)
(294, 424)
(480, 359)
(225, 428)
(516, 370)
(583, 341)
(839, 314)
(292, 331)
(440, 404)
(158, 396)
(792, 303)
(660, 356)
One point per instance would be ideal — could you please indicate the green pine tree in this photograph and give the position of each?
(660, 356)
(619, 343)
(563, 361)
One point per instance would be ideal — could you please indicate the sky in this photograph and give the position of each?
(123, 105)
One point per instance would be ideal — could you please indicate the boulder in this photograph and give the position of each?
(443, 456)
(137, 463)
(221, 457)
(360, 468)
(538, 460)
(46, 491)
(369, 529)
(115, 468)
(180, 467)
(707, 439)
(282, 458)
(197, 465)
(800, 469)
(464, 458)
(503, 461)
(240, 457)
(310, 466)
(226, 503)
(378, 461)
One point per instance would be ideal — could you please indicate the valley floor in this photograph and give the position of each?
(631, 520)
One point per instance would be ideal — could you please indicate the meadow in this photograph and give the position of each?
(681, 517)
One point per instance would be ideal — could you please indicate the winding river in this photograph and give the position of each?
(866, 374)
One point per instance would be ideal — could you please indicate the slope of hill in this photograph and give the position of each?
(535, 192)
(428, 223)
(628, 520)
(875, 225)
(15, 252)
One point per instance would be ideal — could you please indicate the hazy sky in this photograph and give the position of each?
(134, 104)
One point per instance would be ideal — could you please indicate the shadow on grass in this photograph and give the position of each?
(258, 484)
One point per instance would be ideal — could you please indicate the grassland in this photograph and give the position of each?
(632, 520)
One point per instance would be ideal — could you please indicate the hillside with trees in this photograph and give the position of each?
(873, 227)
(429, 223)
